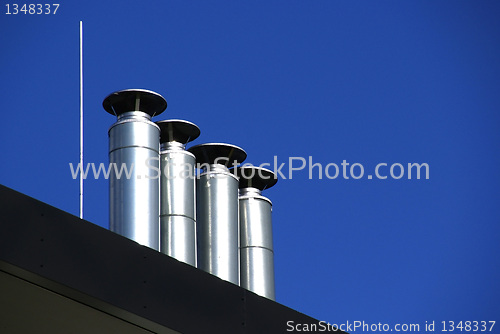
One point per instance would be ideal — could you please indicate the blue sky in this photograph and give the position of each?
(363, 81)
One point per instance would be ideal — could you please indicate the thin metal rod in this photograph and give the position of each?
(81, 119)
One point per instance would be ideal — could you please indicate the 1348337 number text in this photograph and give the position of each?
(31, 9)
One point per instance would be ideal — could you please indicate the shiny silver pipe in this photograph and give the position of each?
(134, 143)
(177, 190)
(256, 233)
(217, 210)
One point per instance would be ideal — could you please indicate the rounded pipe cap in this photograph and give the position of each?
(177, 130)
(128, 100)
(256, 177)
(223, 154)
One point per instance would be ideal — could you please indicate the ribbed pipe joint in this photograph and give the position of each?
(216, 171)
(172, 146)
(253, 193)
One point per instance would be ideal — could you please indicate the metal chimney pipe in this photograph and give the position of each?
(177, 190)
(256, 234)
(134, 142)
(217, 210)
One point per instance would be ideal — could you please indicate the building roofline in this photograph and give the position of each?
(94, 266)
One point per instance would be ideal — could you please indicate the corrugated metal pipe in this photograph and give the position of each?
(256, 234)
(178, 190)
(134, 142)
(217, 210)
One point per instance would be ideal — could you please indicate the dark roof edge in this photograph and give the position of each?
(94, 266)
